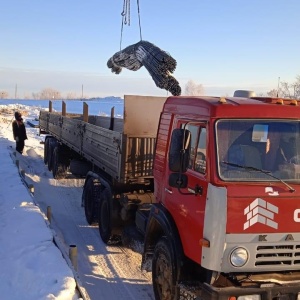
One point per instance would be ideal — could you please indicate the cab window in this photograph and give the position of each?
(197, 160)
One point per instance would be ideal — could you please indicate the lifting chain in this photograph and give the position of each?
(126, 18)
(126, 13)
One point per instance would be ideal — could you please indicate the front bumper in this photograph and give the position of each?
(282, 292)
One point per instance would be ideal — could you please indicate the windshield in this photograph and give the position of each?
(252, 150)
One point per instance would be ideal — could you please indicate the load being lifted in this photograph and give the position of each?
(158, 62)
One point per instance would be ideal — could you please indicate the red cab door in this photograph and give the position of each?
(187, 204)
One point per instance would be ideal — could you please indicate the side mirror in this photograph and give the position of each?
(179, 152)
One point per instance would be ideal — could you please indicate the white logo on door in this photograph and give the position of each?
(260, 211)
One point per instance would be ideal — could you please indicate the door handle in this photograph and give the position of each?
(168, 191)
(198, 190)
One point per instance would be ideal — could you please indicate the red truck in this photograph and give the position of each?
(220, 212)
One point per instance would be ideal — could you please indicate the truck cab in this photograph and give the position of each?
(226, 185)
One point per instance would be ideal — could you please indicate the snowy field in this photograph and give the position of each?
(32, 267)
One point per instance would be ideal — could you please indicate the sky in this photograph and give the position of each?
(32, 267)
(223, 45)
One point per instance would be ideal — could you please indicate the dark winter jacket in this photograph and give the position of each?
(19, 130)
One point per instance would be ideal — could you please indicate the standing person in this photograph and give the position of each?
(19, 132)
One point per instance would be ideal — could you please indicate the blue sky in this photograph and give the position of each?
(222, 44)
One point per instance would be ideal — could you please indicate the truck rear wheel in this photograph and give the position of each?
(52, 144)
(80, 168)
(59, 167)
(104, 220)
(164, 272)
(46, 145)
(91, 199)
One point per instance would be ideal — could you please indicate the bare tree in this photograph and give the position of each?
(296, 87)
(287, 90)
(272, 93)
(35, 96)
(49, 93)
(193, 89)
(4, 94)
(71, 96)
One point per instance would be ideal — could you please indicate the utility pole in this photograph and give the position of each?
(16, 90)
(278, 87)
(82, 91)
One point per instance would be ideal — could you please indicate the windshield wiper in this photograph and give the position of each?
(291, 189)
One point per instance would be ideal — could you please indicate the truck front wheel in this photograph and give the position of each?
(104, 220)
(164, 272)
(91, 198)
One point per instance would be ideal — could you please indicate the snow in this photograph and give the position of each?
(32, 266)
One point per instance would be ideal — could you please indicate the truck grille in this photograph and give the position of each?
(277, 255)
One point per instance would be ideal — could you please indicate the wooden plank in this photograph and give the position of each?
(85, 112)
(54, 125)
(103, 148)
(71, 133)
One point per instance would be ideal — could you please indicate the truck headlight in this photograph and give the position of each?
(239, 257)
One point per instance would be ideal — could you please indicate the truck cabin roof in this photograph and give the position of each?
(232, 107)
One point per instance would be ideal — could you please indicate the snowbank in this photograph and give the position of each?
(32, 267)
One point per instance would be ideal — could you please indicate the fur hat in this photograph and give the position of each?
(17, 115)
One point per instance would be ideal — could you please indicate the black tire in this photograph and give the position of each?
(164, 272)
(104, 220)
(80, 167)
(46, 145)
(51, 146)
(91, 199)
(59, 167)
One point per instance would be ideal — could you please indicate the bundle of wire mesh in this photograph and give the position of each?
(159, 64)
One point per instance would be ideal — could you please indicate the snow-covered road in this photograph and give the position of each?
(106, 272)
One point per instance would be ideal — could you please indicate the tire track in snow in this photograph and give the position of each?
(113, 260)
